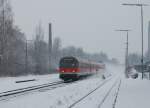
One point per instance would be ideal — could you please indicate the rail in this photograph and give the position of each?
(82, 98)
(3, 95)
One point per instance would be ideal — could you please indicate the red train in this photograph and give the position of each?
(73, 68)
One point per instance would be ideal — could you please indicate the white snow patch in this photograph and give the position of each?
(9, 83)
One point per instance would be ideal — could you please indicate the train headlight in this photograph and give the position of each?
(73, 71)
(62, 71)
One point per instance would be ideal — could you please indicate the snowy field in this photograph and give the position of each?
(61, 97)
(132, 93)
(9, 83)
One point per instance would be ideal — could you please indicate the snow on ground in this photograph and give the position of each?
(110, 100)
(134, 94)
(59, 98)
(9, 83)
(96, 99)
(62, 97)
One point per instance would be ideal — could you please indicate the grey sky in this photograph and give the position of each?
(86, 23)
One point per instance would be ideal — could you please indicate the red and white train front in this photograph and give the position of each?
(73, 68)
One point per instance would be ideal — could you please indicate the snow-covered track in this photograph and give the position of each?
(48, 86)
(82, 98)
(116, 95)
(107, 94)
(13, 93)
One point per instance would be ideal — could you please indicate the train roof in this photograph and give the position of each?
(82, 60)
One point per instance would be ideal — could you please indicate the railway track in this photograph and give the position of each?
(91, 92)
(82, 98)
(107, 94)
(48, 86)
(14, 93)
(116, 95)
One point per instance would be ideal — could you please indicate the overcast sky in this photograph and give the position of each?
(89, 24)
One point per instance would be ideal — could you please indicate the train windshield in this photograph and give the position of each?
(68, 63)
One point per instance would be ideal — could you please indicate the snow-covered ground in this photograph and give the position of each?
(58, 98)
(9, 83)
(133, 93)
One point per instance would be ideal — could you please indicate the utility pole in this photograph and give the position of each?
(141, 6)
(26, 56)
(50, 45)
(127, 51)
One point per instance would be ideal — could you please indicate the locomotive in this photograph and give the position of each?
(72, 68)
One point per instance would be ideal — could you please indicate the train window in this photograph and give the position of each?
(68, 63)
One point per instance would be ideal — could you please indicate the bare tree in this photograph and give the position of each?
(6, 23)
(56, 52)
(41, 52)
(11, 42)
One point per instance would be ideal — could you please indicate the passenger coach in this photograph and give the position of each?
(73, 68)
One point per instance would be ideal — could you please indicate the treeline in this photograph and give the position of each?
(59, 52)
(135, 58)
(11, 42)
(19, 56)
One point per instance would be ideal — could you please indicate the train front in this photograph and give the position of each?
(68, 68)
